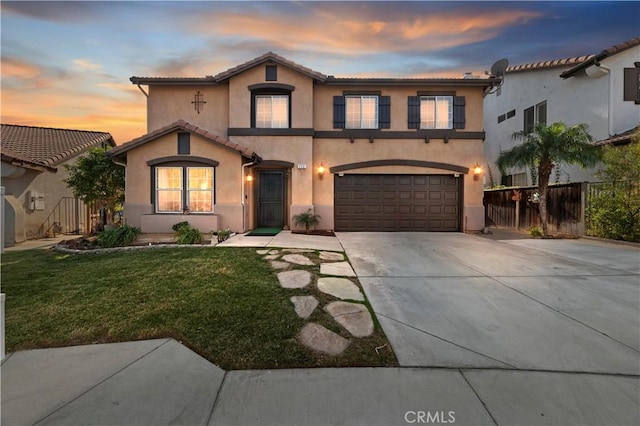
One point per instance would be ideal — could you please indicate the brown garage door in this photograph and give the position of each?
(397, 203)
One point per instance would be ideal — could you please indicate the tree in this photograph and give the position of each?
(614, 207)
(94, 178)
(307, 219)
(546, 147)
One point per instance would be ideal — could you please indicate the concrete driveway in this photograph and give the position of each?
(463, 301)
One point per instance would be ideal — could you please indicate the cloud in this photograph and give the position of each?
(86, 65)
(17, 68)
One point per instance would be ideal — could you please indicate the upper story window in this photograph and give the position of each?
(535, 115)
(361, 112)
(436, 111)
(366, 111)
(272, 111)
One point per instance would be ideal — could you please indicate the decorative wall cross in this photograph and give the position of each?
(198, 102)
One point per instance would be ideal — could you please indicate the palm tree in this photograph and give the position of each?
(546, 147)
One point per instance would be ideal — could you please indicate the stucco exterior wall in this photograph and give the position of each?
(579, 99)
(25, 221)
(138, 207)
(166, 104)
(240, 96)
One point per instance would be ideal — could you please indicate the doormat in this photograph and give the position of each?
(264, 232)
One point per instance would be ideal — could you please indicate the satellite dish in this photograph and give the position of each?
(498, 69)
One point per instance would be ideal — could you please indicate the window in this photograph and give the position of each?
(361, 112)
(184, 188)
(535, 115)
(632, 84)
(501, 118)
(437, 111)
(272, 111)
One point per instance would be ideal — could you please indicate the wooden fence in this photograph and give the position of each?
(565, 203)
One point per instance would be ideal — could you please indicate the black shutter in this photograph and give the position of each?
(184, 143)
(529, 120)
(632, 84)
(414, 112)
(384, 112)
(338, 112)
(459, 119)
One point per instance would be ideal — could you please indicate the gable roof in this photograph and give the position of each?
(45, 147)
(269, 57)
(577, 63)
(595, 59)
(185, 127)
(318, 77)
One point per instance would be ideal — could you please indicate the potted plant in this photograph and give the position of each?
(307, 219)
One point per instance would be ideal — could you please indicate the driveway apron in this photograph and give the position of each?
(462, 301)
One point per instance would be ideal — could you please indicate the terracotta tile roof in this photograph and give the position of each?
(269, 57)
(594, 59)
(184, 126)
(548, 64)
(620, 138)
(47, 147)
(577, 62)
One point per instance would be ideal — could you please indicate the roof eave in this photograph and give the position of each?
(173, 81)
(19, 162)
(477, 82)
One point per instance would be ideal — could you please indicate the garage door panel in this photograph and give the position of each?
(397, 203)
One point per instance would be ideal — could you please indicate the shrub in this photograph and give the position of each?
(118, 237)
(535, 232)
(187, 234)
(307, 219)
(223, 234)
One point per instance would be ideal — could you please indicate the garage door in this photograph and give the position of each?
(397, 203)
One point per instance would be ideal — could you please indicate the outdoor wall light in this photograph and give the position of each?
(477, 170)
(249, 178)
(321, 170)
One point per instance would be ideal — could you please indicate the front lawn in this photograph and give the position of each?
(224, 303)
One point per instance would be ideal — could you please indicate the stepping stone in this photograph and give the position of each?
(261, 252)
(341, 288)
(328, 255)
(298, 250)
(271, 257)
(318, 338)
(304, 305)
(274, 252)
(355, 317)
(298, 259)
(339, 268)
(294, 279)
(276, 264)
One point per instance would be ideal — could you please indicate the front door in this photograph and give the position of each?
(271, 199)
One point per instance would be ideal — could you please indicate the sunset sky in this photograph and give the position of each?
(68, 64)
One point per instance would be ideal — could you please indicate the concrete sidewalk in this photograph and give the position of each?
(285, 239)
(160, 381)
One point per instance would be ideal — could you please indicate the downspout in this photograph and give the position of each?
(610, 105)
(244, 182)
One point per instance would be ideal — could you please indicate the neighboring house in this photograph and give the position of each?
(35, 195)
(601, 90)
(268, 139)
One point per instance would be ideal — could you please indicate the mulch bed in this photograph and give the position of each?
(316, 232)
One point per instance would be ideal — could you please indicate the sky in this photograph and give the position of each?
(68, 64)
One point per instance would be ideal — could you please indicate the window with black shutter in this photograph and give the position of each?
(435, 111)
(632, 85)
(361, 112)
(541, 113)
(529, 120)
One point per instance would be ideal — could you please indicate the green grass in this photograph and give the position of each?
(224, 303)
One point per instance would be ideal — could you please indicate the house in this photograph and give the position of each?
(600, 89)
(36, 201)
(259, 143)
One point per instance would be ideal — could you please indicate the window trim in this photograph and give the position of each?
(269, 90)
(192, 162)
(435, 117)
(361, 97)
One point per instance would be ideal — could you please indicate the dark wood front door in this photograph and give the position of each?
(271, 199)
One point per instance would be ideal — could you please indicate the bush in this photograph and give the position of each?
(118, 237)
(614, 210)
(307, 219)
(223, 234)
(535, 232)
(187, 234)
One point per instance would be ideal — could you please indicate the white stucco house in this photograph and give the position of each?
(601, 90)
